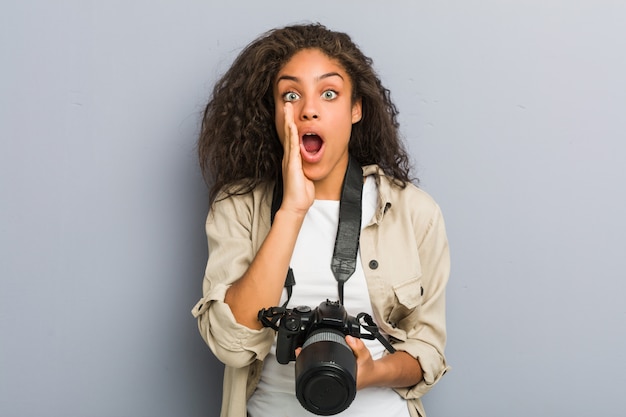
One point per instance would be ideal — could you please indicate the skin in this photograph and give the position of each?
(313, 94)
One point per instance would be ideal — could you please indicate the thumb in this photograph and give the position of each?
(355, 343)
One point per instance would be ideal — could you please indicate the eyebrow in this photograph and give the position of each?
(296, 79)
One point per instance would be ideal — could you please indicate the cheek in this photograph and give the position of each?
(345, 124)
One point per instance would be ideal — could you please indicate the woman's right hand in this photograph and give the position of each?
(298, 190)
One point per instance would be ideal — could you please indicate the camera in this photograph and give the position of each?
(325, 367)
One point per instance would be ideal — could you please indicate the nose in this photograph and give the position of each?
(309, 110)
(309, 115)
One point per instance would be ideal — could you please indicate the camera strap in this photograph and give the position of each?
(343, 263)
(371, 327)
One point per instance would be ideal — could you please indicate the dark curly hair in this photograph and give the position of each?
(238, 144)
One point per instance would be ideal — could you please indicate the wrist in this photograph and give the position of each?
(289, 214)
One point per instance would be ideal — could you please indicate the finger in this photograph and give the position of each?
(288, 123)
(355, 344)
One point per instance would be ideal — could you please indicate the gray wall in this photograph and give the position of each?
(514, 113)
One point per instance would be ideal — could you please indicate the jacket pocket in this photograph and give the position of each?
(409, 293)
(408, 298)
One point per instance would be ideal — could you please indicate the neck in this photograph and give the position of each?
(325, 191)
(329, 187)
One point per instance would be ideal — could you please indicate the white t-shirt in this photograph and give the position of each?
(275, 394)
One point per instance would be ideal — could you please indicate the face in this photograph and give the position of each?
(320, 92)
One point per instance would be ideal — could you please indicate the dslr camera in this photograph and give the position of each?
(326, 367)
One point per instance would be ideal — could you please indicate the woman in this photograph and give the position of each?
(297, 105)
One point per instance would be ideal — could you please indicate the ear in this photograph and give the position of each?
(357, 111)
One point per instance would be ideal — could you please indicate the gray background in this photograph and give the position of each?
(514, 112)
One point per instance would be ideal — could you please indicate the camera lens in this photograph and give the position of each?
(326, 373)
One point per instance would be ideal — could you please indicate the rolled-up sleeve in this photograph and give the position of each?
(230, 235)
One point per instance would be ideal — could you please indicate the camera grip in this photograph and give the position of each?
(286, 344)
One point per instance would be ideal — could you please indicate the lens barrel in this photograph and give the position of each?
(326, 373)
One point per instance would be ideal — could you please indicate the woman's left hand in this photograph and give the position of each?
(396, 370)
(366, 366)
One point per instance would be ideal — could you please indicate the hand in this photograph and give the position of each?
(299, 191)
(396, 370)
(366, 365)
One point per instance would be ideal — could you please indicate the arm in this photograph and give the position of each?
(411, 310)
(261, 285)
(240, 279)
(426, 328)
(396, 370)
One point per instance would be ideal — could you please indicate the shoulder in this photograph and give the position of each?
(236, 200)
(393, 193)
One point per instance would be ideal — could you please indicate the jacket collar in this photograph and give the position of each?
(384, 190)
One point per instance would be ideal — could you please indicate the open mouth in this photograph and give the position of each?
(312, 143)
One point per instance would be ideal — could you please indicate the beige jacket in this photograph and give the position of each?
(405, 256)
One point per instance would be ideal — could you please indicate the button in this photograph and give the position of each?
(373, 264)
(302, 309)
(292, 323)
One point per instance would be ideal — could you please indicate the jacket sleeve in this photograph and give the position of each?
(426, 327)
(229, 229)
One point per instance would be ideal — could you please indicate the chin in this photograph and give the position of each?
(315, 174)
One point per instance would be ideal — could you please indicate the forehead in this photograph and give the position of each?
(313, 63)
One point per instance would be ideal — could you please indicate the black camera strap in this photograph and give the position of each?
(343, 263)
(371, 327)
(270, 317)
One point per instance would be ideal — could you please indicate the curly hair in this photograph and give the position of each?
(238, 144)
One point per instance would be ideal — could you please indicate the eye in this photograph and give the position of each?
(329, 95)
(291, 96)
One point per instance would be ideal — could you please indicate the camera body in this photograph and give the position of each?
(299, 323)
